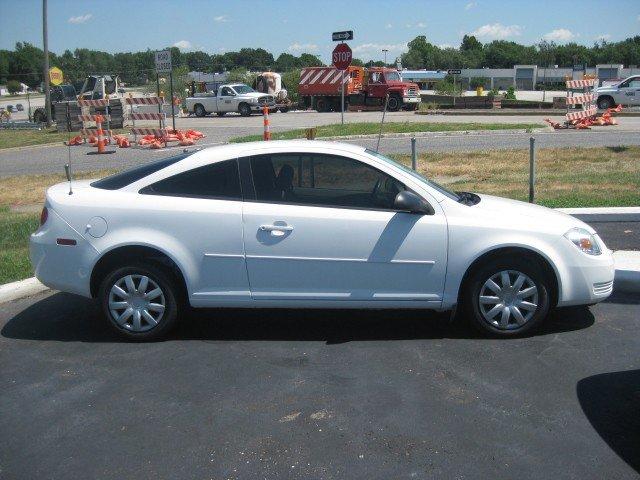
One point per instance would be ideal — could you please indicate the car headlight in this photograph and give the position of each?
(584, 240)
(255, 100)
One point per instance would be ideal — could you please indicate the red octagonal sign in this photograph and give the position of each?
(342, 56)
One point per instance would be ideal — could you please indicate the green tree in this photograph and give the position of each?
(14, 86)
(470, 43)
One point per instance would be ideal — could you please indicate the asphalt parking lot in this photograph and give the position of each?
(248, 394)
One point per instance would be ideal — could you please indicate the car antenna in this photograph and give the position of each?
(67, 167)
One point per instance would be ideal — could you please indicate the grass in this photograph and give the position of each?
(29, 138)
(392, 127)
(567, 177)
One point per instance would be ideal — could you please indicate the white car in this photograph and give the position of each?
(626, 92)
(309, 224)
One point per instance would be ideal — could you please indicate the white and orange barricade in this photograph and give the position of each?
(267, 130)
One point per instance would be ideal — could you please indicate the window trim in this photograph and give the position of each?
(246, 175)
(144, 190)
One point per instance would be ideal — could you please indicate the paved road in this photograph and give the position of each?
(246, 394)
(52, 159)
(619, 235)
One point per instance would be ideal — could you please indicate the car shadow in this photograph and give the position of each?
(611, 403)
(66, 317)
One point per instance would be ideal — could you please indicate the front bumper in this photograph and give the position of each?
(587, 279)
(257, 107)
(408, 99)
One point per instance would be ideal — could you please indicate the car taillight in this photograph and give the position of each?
(44, 215)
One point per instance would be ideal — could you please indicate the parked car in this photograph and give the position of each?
(19, 107)
(314, 225)
(235, 97)
(626, 92)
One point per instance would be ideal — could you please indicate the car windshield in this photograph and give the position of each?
(392, 76)
(431, 183)
(243, 89)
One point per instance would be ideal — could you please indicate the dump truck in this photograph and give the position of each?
(364, 88)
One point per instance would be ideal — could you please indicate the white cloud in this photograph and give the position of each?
(559, 35)
(497, 31)
(221, 18)
(80, 18)
(604, 36)
(421, 25)
(445, 45)
(388, 26)
(303, 47)
(470, 5)
(377, 47)
(184, 45)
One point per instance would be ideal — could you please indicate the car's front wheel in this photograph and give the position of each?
(507, 298)
(244, 109)
(139, 301)
(606, 102)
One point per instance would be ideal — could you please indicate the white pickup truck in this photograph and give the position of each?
(235, 97)
(626, 92)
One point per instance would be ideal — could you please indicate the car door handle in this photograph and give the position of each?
(276, 230)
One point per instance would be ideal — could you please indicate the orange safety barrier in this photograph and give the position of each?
(267, 131)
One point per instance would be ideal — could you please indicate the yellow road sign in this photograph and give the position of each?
(55, 76)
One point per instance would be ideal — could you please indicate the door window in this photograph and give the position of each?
(217, 180)
(226, 92)
(322, 180)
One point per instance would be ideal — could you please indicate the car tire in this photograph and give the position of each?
(284, 109)
(394, 103)
(484, 305)
(221, 114)
(39, 116)
(199, 110)
(323, 105)
(244, 109)
(122, 298)
(606, 102)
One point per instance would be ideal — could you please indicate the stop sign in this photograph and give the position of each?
(342, 56)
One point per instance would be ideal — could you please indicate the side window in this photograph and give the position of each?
(218, 180)
(328, 180)
(635, 83)
(226, 92)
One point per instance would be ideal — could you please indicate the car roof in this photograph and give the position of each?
(294, 146)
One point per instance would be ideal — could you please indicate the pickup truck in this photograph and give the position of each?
(626, 92)
(235, 97)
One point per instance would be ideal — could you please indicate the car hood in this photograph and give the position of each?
(254, 95)
(533, 217)
(607, 89)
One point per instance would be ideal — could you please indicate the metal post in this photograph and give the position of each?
(342, 98)
(384, 112)
(414, 159)
(173, 114)
(158, 93)
(454, 91)
(532, 169)
(45, 45)
(28, 106)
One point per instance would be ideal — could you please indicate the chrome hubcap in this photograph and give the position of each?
(136, 303)
(508, 300)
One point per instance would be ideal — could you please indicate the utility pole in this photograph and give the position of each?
(384, 50)
(45, 41)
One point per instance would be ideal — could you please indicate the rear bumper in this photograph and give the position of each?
(61, 267)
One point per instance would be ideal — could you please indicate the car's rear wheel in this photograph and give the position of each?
(140, 301)
(507, 298)
(606, 102)
(199, 110)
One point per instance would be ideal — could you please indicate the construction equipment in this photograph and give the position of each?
(271, 83)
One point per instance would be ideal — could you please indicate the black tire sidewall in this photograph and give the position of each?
(244, 110)
(471, 297)
(605, 103)
(164, 280)
(199, 111)
(397, 105)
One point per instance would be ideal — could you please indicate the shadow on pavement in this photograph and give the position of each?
(66, 317)
(622, 298)
(611, 402)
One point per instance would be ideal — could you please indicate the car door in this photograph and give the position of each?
(201, 209)
(323, 228)
(226, 101)
(629, 92)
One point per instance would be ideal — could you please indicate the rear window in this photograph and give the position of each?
(127, 177)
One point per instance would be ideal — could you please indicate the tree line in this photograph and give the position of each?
(24, 63)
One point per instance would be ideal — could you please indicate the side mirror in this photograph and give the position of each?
(411, 202)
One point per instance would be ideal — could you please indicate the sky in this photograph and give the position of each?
(305, 26)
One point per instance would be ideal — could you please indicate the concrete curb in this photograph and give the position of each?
(21, 289)
(604, 214)
(627, 279)
(445, 133)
